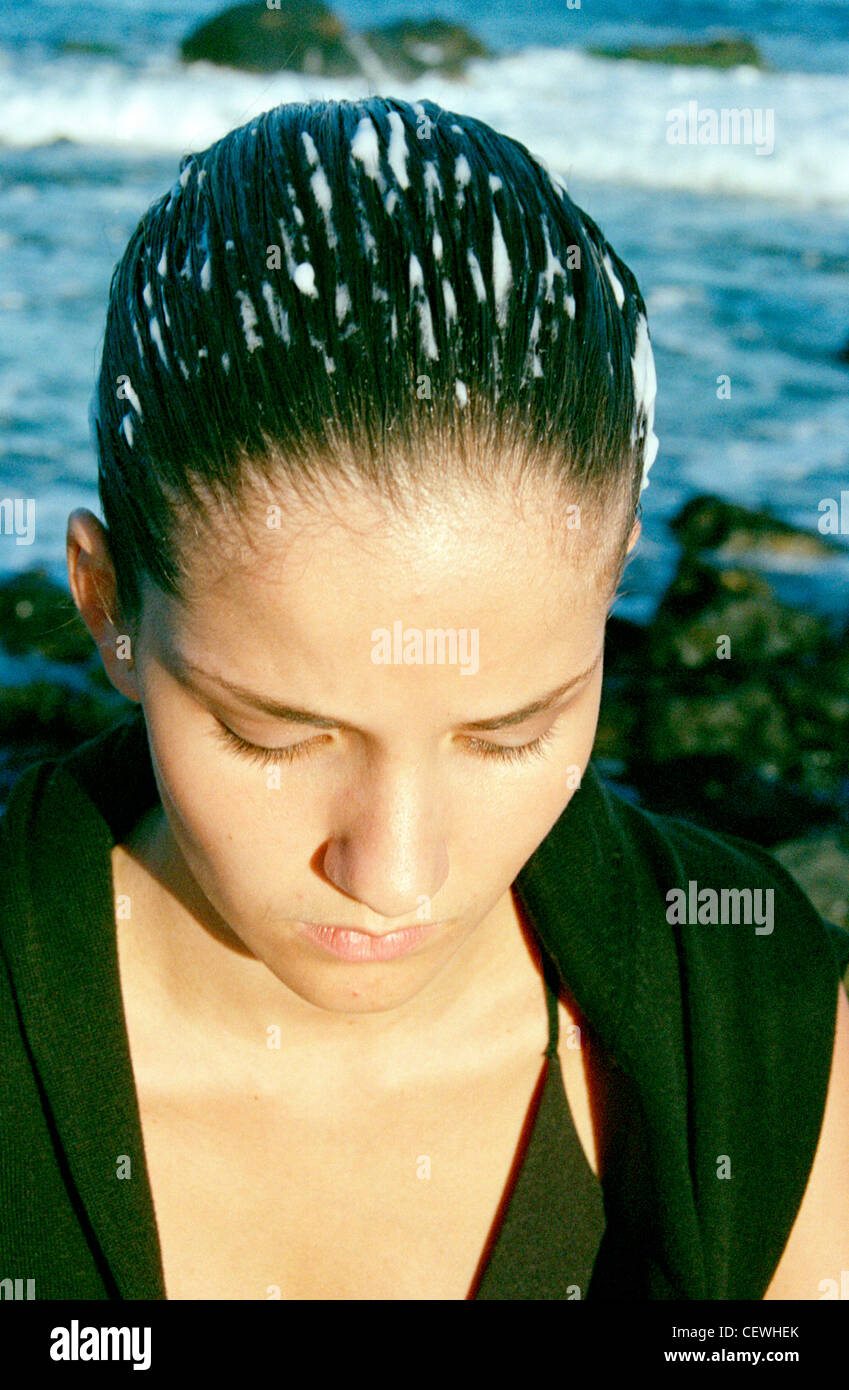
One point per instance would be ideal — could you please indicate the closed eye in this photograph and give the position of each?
(290, 753)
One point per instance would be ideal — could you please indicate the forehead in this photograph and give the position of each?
(279, 537)
(293, 611)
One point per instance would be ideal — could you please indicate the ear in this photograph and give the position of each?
(636, 529)
(91, 575)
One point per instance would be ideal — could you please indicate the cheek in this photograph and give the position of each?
(188, 777)
(509, 827)
(568, 763)
(229, 823)
(586, 721)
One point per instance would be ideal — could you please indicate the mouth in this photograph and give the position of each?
(345, 943)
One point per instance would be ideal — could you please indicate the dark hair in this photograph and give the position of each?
(351, 289)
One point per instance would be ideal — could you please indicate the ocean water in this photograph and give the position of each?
(741, 250)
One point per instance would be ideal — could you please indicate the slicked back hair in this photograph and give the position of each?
(374, 290)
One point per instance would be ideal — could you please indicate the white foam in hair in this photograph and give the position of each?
(502, 274)
(397, 152)
(614, 279)
(645, 392)
(249, 321)
(366, 149)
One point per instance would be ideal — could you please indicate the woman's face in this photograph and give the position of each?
(386, 809)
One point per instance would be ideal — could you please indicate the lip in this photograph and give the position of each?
(346, 943)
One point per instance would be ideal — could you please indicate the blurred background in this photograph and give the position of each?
(740, 248)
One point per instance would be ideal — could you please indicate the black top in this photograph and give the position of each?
(547, 1239)
(719, 1037)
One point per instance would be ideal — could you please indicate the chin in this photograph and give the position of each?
(342, 988)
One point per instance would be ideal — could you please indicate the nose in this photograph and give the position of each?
(389, 850)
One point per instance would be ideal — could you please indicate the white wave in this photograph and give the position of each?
(588, 118)
(665, 299)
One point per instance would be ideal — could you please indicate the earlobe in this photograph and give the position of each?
(91, 576)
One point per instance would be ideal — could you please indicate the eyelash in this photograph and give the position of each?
(522, 752)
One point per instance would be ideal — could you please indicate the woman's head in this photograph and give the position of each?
(374, 414)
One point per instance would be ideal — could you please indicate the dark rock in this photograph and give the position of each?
(624, 646)
(38, 615)
(299, 35)
(743, 742)
(704, 604)
(820, 864)
(408, 48)
(54, 692)
(89, 47)
(722, 794)
(746, 721)
(730, 52)
(710, 523)
(48, 716)
(779, 702)
(618, 722)
(45, 714)
(625, 666)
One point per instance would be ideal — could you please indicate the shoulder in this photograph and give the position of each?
(677, 940)
(709, 879)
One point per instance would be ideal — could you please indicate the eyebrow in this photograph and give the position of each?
(295, 715)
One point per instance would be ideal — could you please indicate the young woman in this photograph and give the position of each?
(335, 971)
